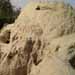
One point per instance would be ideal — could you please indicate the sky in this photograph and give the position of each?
(22, 3)
(19, 3)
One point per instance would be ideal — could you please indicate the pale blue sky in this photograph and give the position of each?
(21, 3)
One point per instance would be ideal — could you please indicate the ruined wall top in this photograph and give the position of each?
(40, 1)
(43, 1)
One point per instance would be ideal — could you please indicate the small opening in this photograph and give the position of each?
(10, 55)
(72, 62)
(5, 37)
(7, 41)
(8, 37)
(35, 59)
(57, 48)
(38, 8)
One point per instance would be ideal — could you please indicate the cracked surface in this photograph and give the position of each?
(40, 42)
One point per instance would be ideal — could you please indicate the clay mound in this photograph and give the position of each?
(40, 42)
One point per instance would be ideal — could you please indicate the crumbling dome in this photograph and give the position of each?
(40, 42)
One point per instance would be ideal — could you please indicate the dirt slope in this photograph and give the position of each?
(40, 42)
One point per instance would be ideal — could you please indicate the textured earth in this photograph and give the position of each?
(40, 42)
